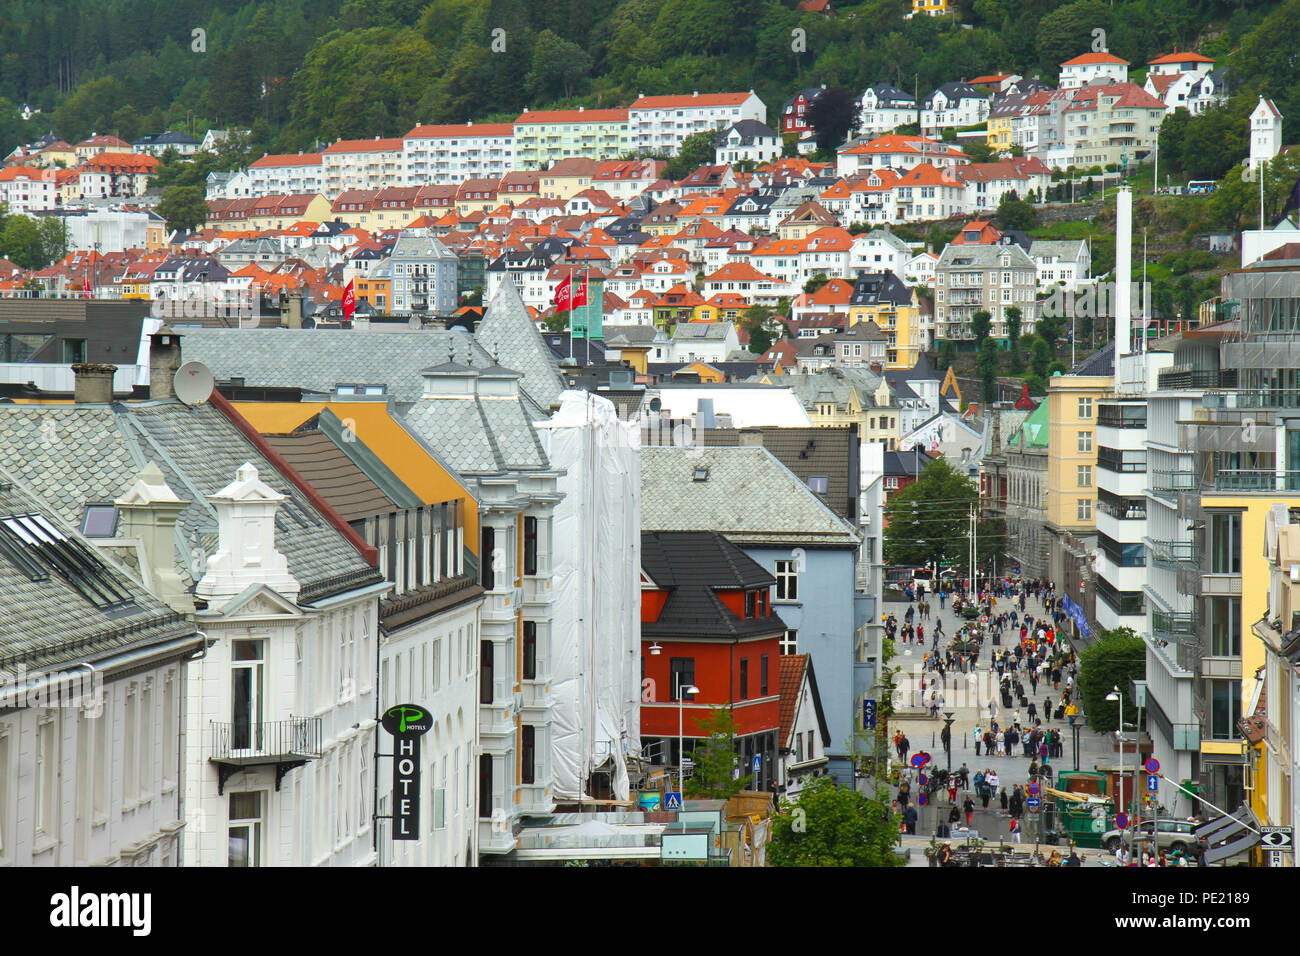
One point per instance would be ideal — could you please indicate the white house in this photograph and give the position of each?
(747, 140)
(702, 342)
(1089, 68)
(660, 123)
(1265, 133)
(804, 733)
(883, 108)
(953, 105)
(879, 251)
(286, 173)
(986, 183)
(25, 189)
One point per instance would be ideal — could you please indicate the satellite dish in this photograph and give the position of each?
(194, 383)
(655, 404)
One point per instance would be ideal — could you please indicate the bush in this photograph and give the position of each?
(1035, 383)
(1057, 366)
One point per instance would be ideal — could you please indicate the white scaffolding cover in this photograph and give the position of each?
(596, 607)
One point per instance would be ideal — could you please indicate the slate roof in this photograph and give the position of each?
(692, 566)
(829, 451)
(97, 450)
(317, 360)
(1101, 362)
(672, 500)
(49, 623)
(509, 334)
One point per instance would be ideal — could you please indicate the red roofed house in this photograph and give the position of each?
(804, 732)
(662, 122)
(896, 152)
(25, 189)
(925, 192)
(449, 154)
(1093, 68)
(111, 175)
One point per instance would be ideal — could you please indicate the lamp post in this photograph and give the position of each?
(681, 753)
(1115, 695)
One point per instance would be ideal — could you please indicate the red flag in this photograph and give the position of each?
(562, 294)
(349, 301)
(580, 294)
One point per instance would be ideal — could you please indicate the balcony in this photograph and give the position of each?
(1256, 479)
(1167, 484)
(1185, 377)
(1174, 626)
(283, 744)
(1171, 554)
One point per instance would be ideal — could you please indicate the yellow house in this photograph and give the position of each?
(568, 177)
(901, 321)
(281, 212)
(1072, 472)
(931, 8)
(838, 397)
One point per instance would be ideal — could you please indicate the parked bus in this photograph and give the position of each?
(1200, 187)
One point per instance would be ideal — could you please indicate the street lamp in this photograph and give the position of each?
(681, 753)
(1115, 695)
(946, 737)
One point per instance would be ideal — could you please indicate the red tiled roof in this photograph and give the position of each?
(1177, 57)
(365, 146)
(468, 129)
(682, 101)
(792, 671)
(1088, 58)
(571, 116)
(286, 159)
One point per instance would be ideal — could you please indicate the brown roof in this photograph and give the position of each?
(326, 468)
(792, 669)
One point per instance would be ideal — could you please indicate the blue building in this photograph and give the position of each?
(778, 520)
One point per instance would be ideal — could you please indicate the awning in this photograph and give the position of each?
(1229, 836)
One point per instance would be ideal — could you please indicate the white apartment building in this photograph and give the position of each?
(361, 164)
(288, 174)
(969, 278)
(953, 105)
(26, 190)
(662, 122)
(450, 154)
(1090, 68)
(1265, 132)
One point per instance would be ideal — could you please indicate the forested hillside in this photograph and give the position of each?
(299, 71)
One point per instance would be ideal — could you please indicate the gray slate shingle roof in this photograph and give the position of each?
(509, 335)
(317, 360)
(738, 479)
(48, 623)
(98, 450)
(478, 436)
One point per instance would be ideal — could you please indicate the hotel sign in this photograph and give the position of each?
(407, 723)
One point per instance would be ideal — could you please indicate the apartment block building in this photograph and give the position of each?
(286, 173)
(989, 277)
(662, 122)
(361, 164)
(449, 154)
(544, 136)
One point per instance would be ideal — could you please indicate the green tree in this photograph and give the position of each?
(947, 354)
(1040, 357)
(1050, 328)
(1036, 384)
(558, 68)
(815, 283)
(20, 242)
(714, 776)
(1015, 213)
(830, 826)
(698, 149)
(979, 325)
(52, 237)
(928, 518)
(1013, 317)
(757, 322)
(833, 115)
(1116, 657)
(987, 362)
(183, 207)
(557, 321)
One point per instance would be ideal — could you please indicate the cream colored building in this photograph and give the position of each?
(1072, 472)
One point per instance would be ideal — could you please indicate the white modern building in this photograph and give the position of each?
(660, 123)
(287, 174)
(450, 154)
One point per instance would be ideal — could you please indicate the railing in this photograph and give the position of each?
(1174, 625)
(297, 737)
(1185, 376)
(1120, 460)
(1252, 398)
(1169, 554)
(1167, 484)
(1122, 416)
(1256, 479)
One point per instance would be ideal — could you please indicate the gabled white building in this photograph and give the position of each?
(884, 107)
(953, 105)
(1091, 68)
(1265, 133)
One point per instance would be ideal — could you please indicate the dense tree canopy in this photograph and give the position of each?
(1115, 658)
(832, 826)
(929, 519)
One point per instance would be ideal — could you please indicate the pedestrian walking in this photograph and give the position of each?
(909, 819)
(1002, 798)
(1015, 829)
(969, 807)
(905, 746)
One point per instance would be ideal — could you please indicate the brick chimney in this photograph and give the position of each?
(92, 383)
(164, 360)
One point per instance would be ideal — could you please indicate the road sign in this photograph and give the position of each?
(1276, 838)
(922, 780)
(1121, 821)
(758, 763)
(869, 713)
(922, 799)
(1153, 782)
(1033, 803)
(672, 800)
(918, 760)
(926, 755)
(1152, 765)
(1033, 789)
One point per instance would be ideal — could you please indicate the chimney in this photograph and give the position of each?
(704, 413)
(92, 383)
(164, 360)
(876, 367)
(150, 510)
(246, 552)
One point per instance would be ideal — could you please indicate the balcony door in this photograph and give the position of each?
(247, 682)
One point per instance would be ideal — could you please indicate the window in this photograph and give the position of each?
(74, 351)
(246, 684)
(744, 678)
(1085, 409)
(1083, 509)
(682, 674)
(1084, 476)
(485, 675)
(530, 544)
(891, 484)
(244, 836)
(751, 604)
(1085, 441)
(484, 785)
(1225, 626)
(99, 521)
(47, 779)
(146, 739)
(787, 581)
(528, 754)
(762, 676)
(790, 642)
(364, 790)
(487, 558)
(530, 650)
(1225, 708)
(818, 483)
(1225, 543)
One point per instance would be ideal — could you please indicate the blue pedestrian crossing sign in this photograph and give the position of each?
(672, 800)
(758, 762)
(1153, 782)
